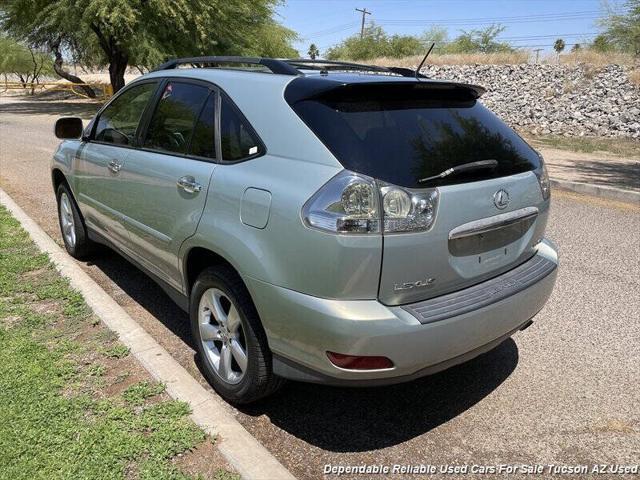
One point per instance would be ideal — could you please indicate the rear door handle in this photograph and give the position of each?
(114, 166)
(189, 184)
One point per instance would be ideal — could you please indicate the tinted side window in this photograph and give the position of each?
(174, 119)
(237, 138)
(203, 142)
(119, 121)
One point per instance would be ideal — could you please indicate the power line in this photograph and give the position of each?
(482, 23)
(500, 18)
(334, 29)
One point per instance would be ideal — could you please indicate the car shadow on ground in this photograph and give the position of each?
(364, 419)
(61, 108)
(610, 173)
(342, 419)
(145, 292)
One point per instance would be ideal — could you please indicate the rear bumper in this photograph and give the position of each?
(302, 328)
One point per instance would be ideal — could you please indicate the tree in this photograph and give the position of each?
(602, 44)
(437, 35)
(558, 46)
(123, 33)
(623, 30)
(25, 63)
(375, 43)
(274, 40)
(480, 41)
(575, 47)
(313, 51)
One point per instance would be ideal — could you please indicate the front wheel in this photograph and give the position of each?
(229, 337)
(72, 227)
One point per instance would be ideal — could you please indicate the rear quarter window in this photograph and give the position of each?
(237, 138)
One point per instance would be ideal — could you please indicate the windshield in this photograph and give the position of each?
(407, 132)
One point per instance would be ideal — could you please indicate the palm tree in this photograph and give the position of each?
(313, 51)
(559, 47)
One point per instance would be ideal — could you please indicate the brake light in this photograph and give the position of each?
(355, 362)
(543, 178)
(354, 203)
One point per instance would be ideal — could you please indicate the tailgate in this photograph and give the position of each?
(470, 241)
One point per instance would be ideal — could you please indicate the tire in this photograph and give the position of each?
(220, 336)
(72, 226)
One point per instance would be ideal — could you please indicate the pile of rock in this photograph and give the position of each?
(569, 100)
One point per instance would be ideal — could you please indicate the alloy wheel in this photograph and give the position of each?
(67, 221)
(222, 336)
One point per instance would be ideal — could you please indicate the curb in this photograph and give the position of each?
(602, 191)
(251, 459)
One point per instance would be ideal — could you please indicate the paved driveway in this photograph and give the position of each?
(566, 391)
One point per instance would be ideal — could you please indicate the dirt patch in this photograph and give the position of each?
(615, 425)
(10, 321)
(121, 373)
(205, 460)
(46, 306)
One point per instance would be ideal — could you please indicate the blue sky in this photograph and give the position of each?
(530, 23)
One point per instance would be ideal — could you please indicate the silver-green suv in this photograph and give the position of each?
(320, 221)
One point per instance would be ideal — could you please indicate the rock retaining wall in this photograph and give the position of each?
(569, 100)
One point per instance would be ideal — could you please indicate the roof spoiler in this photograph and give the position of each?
(307, 88)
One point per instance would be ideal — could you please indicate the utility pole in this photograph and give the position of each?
(364, 12)
(538, 50)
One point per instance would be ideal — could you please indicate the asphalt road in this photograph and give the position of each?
(566, 391)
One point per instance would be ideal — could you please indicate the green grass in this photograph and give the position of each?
(138, 393)
(117, 351)
(622, 147)
(55, 421)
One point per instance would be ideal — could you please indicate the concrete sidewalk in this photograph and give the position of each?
(594, 173)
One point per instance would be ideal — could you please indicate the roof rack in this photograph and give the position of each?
(284, 66)
(326, 65)
(276, 66)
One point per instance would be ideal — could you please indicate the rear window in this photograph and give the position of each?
(174, 120)
(403, 133)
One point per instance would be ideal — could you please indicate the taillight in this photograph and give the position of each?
(543, 179)
(348, 203)
(354, 203)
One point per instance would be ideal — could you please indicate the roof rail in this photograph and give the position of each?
(327, 65)
(275, 66)
(284, 67)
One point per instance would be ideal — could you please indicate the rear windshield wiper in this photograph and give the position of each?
(465, 167)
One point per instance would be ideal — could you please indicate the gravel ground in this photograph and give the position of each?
(566, 391)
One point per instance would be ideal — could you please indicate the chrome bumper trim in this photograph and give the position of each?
(490, 224)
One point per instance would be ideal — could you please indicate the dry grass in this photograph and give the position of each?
(621, 147)
(634, 77)
(457, 59)
(595, 58)
(588, 57)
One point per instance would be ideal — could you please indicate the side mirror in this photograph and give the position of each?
(68, 128)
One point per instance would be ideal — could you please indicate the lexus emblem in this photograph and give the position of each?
(501, 199)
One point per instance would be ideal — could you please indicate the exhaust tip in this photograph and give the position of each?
(526, 325)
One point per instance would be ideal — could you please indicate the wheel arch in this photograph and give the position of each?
(57, 178)
(196, 259)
